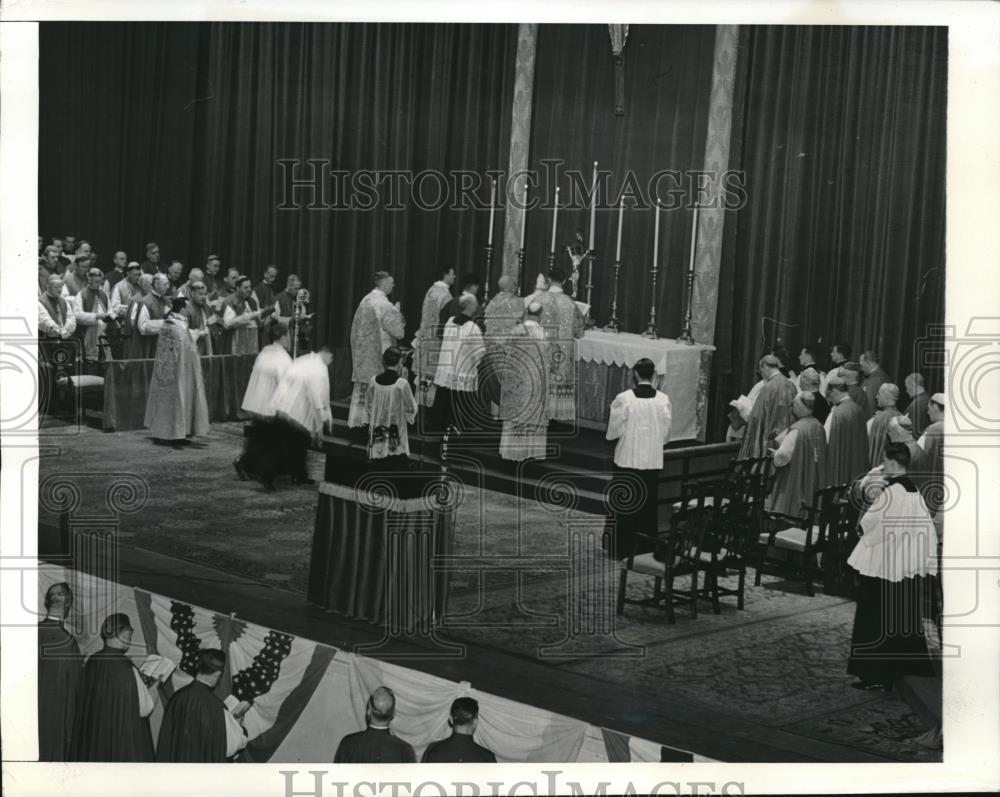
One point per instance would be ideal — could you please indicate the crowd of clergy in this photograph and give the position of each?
(98, 708)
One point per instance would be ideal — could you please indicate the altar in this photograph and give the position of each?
(604, 369)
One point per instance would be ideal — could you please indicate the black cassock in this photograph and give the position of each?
(59, 667)
(194, 728)
(108, 726)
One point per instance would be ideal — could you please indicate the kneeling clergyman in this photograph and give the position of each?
(640, 421)
(176, 409)
(197, 727)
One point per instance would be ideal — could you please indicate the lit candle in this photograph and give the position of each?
(555, 215)
(656, 234)
(493, 203)
(593, 206)
(694, 237)
(618, 251)
(524, 214)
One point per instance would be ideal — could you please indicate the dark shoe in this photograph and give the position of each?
(302, 480)
(241, 470)
(267, 485)
(871, 686)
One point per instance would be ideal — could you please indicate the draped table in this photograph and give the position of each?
(374, 546)
(604, 369)
(126, 388)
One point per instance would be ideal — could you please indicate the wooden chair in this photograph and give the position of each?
(677, 552)
(823, 531)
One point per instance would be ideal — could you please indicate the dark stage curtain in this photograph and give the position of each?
(841, 133)
(668, 78)
(175, 132)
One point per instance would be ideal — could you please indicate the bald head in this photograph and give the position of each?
(506, 284)
(888, 395)
(467, 304)
(381, 706)
(900, 429)
(534, 310)
(809, 380)
(196, 275)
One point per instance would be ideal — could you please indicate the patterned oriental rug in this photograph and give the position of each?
(779, 662)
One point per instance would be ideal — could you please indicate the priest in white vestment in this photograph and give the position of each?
(640, 421)
(457, 377)
(563, 323)
(377, 325)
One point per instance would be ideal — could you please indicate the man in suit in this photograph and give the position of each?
(376, 744)
(460, 747)
(59, 669)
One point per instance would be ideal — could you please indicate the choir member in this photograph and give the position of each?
(916, 410)
(302, 413)
(200, 316)
(176, 408)
(195, 275)
(897, 550)
(197, 727)
(640, 421)
(125, 290)
(560, 313)
(59, 670)
(878, 424)
(135, 344)
(376, 326)
(212, 279)
(846, 434)
(460, 747)
(48, 267)
(240, 314)
(290, 307)
(807, 359)
(772, 409)
(428, 338)
(258, 403)
(72, 280)
(376, 744)
(874, 377)
(153, 308)
(524, 388)
(264, 295)
(151, 265)
(390, 406)
(175, 274)
(56, 319)
(92, 309)
(799, 460)
(457, 376)
(117, 273)
(112, 715)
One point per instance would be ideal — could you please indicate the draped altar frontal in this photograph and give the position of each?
(605, 369)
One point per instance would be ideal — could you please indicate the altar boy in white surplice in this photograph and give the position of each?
(640, 422)
(377, 325)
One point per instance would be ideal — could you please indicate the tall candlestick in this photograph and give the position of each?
(621, 210)
(686, 336)
(651, 326)
(593, 207)
(555, 216)
(524, 214)
(694, 237)
(493, 207)
(656, 235)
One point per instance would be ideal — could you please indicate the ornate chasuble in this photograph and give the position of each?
(797, 482)
(771, 414)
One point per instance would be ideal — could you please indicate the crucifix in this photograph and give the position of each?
(619, 33)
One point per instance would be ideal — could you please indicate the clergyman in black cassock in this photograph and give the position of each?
(197, 728)
(59, 667)
(112, 718)
(460, 747)
(376, 744)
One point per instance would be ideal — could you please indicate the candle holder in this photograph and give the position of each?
(520, 261)
(651, 326)
(588, 321)
(489, 263)
(552, 260)
(685, 336)
(614, 323)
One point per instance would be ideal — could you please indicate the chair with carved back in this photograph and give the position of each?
(812, 541)
(676, 552)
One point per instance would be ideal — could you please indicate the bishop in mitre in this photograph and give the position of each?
(377, 325)
(563, 324)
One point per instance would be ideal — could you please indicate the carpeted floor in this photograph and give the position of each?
(780, 662)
